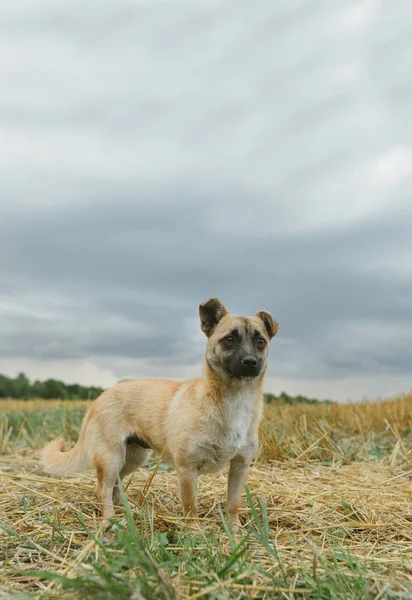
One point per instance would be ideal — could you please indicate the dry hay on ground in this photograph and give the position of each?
(364, 509)
(335, 481)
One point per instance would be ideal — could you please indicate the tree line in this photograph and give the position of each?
(22, 388)
(284, 397)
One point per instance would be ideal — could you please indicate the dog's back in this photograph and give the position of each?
(131, 408)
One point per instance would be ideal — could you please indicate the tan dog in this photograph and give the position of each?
(200, 425)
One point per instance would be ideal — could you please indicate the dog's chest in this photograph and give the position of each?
(239, 412)
(214, 452)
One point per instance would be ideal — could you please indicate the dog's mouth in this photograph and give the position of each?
(245, 372)
(248, 373)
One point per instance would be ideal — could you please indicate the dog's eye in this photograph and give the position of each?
(228, 341)
(260, 343)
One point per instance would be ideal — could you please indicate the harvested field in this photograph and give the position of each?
(328, 514)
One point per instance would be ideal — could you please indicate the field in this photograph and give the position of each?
(327, 515)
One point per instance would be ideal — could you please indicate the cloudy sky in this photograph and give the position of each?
(154, 154)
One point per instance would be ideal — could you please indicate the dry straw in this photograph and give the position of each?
(332, 477)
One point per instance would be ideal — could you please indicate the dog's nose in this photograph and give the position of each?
(249, 361)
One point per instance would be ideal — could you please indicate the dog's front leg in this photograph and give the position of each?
(187, 490)
(237, 476)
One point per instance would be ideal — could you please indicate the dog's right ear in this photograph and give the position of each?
(210, 314)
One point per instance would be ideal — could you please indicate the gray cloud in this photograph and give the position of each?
(155, 155)
(139, 275)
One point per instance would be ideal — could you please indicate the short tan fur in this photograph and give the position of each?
(200, 426)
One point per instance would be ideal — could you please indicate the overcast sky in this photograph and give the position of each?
(155, 154)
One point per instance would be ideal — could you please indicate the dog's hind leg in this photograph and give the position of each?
(136, 456)
(108, 466)
(187, 490)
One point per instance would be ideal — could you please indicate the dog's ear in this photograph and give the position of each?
(210, 313)
(269, 322)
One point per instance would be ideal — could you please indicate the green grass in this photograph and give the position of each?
(28, 429)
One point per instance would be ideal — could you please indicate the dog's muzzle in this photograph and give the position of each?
(248, 366)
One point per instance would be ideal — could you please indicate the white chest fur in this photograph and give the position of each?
(226, 436)
(239, 414)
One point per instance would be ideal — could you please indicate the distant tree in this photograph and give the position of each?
(38, 390)
(95, 392)
(7, 387)
(22, 386)
(269, 398)
(55, 389)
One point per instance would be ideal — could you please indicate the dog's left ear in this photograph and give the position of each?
(270, 324)
(210, 313)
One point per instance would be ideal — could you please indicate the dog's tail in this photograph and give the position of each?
(58, 462)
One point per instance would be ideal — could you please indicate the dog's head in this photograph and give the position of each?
(237, 346)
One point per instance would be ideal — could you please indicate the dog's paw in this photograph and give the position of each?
(198, 530)
(238, 529)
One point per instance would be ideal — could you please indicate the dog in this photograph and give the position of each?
(198, 426)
